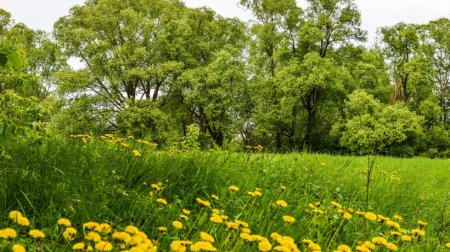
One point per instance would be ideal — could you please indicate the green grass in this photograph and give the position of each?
(106, 183)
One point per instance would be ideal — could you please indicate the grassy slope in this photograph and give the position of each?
(100, 183)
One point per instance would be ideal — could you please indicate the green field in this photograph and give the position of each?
(106, 183)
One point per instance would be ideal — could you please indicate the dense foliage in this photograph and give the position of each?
(292, 79)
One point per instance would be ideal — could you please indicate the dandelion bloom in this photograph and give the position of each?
(369, 245)
(179, 246)
(206, 237)
(288, 218)
(90, 225)
(69, 233)
(447, 245)
(161, 201)
(234, 188)
(162, 229)
(187, 212)
(202, 246)
(336, 205)
(276, 236)
(422, 223)
(177, 224)
(280, 248)
(203, 202)
(418, 232)
(379, 240)
(103, 246)
(246, 230)
(281, 203)
(216, 219)
(398, 217)
(393, 224)
(64, 222)
(36, 233)
(264, 246)
(23, 221)
(93, 236)
(251, 194)
(14, 215)
(370, 216)
(391, 246)
(103, 228)
(257, 193)
(347, 216)
(155, 186)
(313, 246)
(406, 238)
(78, 246)
(214, 197)
(344, 248)
(283, 188)
(136, 153)
(18, 248)
(362, 249)
(131, 229)
(8, 233)
(122, 236)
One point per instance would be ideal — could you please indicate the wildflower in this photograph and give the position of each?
(246, 230)
(280, 248)
(406, 238)
(203, 202)
(362, 249)
(103, 228)
(90, 225)
(179, 246)
(347, 216)
(447, 245)
(78, 246)
(370, 216)
(393, 224)
(313, 246)
(18, 248)
(206, 237)
(234, 188)
(64, 222)
(257, 193)
(161, 201)
(8, 233)
(136, 153)
(242, 223)
(281, 203)
(369, 245)
(276, 236)
(155, 186)
(103, 246)
(177, 224)
(184, 217)
(162, 229)
(418, 232)
(344, 248)
(264, 246)
(93, 236)
(69, 233)
(398, 217)
(214, 197)
(251, 194)
(283, 188)
(391, 246)
(232, 225)
(288, 218)
(187, 212)
(202, 246)
(36, 233)
(14, 215)
(336, 205)
(131, 229)
(122, 236)
(216, 219)
(422, 223)
(395, 233)
(379, 240)
(23, 221)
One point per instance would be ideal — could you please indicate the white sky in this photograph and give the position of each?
(41, 14)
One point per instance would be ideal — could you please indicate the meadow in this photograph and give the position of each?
(121, 194)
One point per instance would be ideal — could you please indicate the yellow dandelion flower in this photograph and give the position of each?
(216, 219)
(241, 223)
(177, 224)
(155, 187)
(347, 216)
(78, 246)
(257, 193)
(395, 233)
(36, 233)
(234, 188)
(283, 188)
(214, 197)
(206, 237)
(251, 194)
(64, 222)
(14, 215)
(187, 212)
(264, 246)
(406, 238)
(161, 201)
(288, 218)
(131, 229)
(379, 240)
(280, 248)
(393, 224)
(447, 245)
(179, 246)
(122, 236)
(418, 232)
(422, 223)
(162, 229)
(90, 225)
(69, 233)
(391, 246)
(103, 246)
(103, 228)
(246, 230)
(344, 248)
(370, 216)
(276, 236)
(8, 233)
(202, 246)
(232, 225)
(362, 249)
(92, 236)
(136, 153)
(369, 245)
(183, 217)
(398, 217)
(313, 246)
(336, 205)
(23, 221)
(281, 203)
(203, 202)
(18, 248)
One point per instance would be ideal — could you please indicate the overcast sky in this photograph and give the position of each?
(41, 14)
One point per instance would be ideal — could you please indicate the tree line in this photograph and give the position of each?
(291, 79)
